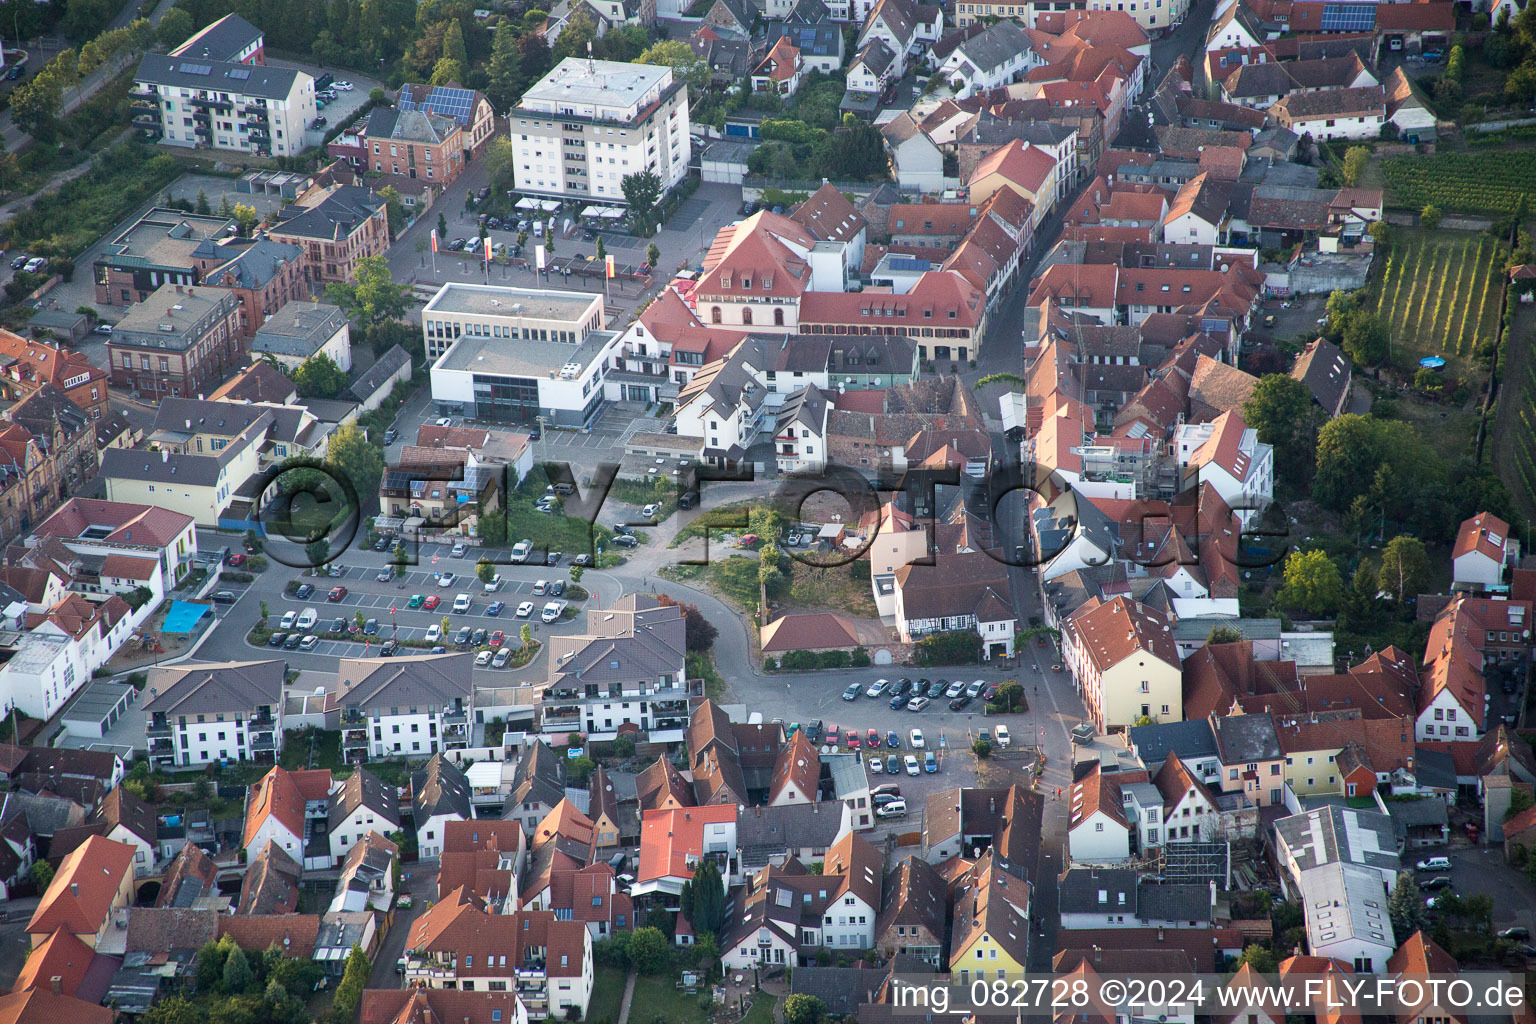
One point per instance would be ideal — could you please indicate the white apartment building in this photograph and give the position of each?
(129, 545)
(589, 124)
(212, 104)
(199, 714)
(403, 706)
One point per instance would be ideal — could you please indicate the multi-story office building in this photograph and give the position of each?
(165, 246)
(554, 369)
(180, 341)
(403, 707)
(217, 104)
(588, 124)
(198, 714)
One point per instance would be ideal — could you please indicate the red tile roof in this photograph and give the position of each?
(750, 259)
(80, 896)
(294, 934)
(939, 299)
(1025, 166)
(437, 1006)
(1114, 631)
(62, 955)
(669, 838)
(1484, 533)
(149, 525)
(40, 1006)
(277, 795)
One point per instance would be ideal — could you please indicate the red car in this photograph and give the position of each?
(853, 739)
(497, 638)
(431, 602)
(336, 594)
(873, 739)
(237, 559)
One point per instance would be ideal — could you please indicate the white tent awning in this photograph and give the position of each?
(527, 203)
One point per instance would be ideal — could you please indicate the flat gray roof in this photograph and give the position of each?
(97, 701)
(605, 82)
(523, 358)
(531, 303)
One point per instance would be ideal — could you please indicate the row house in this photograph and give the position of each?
(419, 152)
(943, 312)
(47, 451)
(1467, 636)
(781, 915)
(263, 275)
(110, 547)
(89, 894)
(962, 592)
(1122, 656)
(547, 962)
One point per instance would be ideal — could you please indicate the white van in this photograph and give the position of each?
(895, 809)
(1003, 739)
(552, 611)
(289, 617)
(307, 619)
(520, 551)
(461, 603)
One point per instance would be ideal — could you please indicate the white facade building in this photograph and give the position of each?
(207, 104)
(589, 124)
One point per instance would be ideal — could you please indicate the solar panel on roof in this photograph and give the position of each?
(196, 69)
(239, 72)
(1348, 18)
(910, 263)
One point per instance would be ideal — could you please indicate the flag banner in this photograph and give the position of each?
(610, 264)
(487, 248)
(434, 241)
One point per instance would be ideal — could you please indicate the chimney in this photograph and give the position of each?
(178, 289)
(57, 984)
(74, 889)
(1098, 953)
(1159, 933)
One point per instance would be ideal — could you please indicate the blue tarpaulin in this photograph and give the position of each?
(184, 616)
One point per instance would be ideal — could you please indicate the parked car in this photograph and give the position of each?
(336, 594)
(894, 809)
(495, 608)
(625, 542)
(102, 329)
(276, 639)
(1004, 738)
(915, 738)
(339, 624)
(461, 638)
(371, 627)
(877, 687)
(956, 688)
(433, 601)
(525, 609)
(897, 702)
(415, 601)
(872, 740)
(910, 762)
(851, 741)
(445, 580)
(876, 765)
(483, 659)
(959, 703)
(934, 689)
(293, 641)
(851, 692)
(309, 642)
(304, 591)
(502, 657)
(477, 638)
(459, 549)
(930, 762)
(1436, 883)
(1519, 932)
(389, 648)
(552, 611)
(462, 603)
(974, 690)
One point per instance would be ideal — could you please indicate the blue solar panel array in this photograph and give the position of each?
(1348, 18)
(454, 103)
(196, 69)
(910, 263)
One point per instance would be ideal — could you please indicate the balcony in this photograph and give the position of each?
(147, 119)
(263, 741)
(202, 118)
(459, 717)
(156, 730)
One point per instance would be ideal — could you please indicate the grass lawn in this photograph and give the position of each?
(607, 994)
(297, 744)
(1450, 430)
(657, 998)
(641, 492)
(762, 1010)
(734, 577)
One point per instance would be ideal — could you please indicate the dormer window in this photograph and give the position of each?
(746, 284)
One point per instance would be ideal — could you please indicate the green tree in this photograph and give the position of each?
(580, 31)
(174, 1008)
(498, 165)
(579, 769)
(492, 528)
(453, 44)
(1404, 567)
(1312, 583)
(600, 250)
(679, 56)
(1260, 958)
(484, 571)
(442, 227)
(41, 874)
(652, 255)
(237, 972)
(1355, 160)
(226, 208)
(1366, 340)
(349, 452)
(447, 72)
(209, 964)
(982, 749)
(319, 377)
(1281, 409)
(804, 1009)
(703, 900)
(642, 190)
(446, 625)
(376, 297)
(247, 218)
(318, 551)
(1406, 904)
(1224, 635)
(349, 991)
(576, 573)
(525, 636)
(1010, 695)
(1371, 468)
(648, 950)
(394, 207)
(504, 70)
(1429, 217)
(203, 206)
